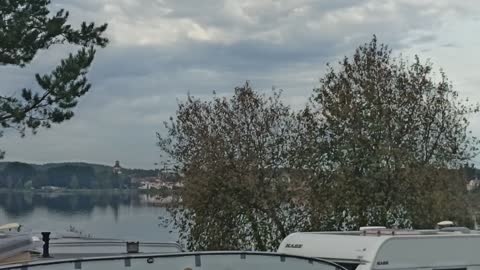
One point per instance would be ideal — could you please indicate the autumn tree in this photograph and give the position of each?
(382, 142)
(233, 156)
(394, 140)
(26, 27)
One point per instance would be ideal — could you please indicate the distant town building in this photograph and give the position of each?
(154, 182)
(51, 188)
(116, 168)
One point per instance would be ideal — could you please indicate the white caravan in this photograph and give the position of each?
(385, 249)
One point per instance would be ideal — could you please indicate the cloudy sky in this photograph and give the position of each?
(161, 50)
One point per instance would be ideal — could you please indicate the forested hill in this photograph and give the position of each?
(73, 175)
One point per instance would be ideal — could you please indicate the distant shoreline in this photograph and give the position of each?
(67, 191)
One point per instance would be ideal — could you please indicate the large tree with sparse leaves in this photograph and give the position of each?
(394, 140)
(26, 28)
(233, 156)
(382, 142)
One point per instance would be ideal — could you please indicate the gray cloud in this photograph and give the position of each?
(163, 49)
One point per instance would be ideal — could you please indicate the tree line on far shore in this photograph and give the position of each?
(382, 141)
(17, 175)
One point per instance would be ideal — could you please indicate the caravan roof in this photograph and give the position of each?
(388, 249)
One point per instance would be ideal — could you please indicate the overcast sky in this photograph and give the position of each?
(161, 50)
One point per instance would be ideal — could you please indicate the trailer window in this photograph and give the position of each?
(352, 266)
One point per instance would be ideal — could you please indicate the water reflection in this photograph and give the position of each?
(18, 204)
(118, 215)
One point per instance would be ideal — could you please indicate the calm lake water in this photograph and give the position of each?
(101, 214)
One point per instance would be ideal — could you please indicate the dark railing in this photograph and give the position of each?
(188, 260)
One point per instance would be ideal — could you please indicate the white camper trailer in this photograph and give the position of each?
(383, 249)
